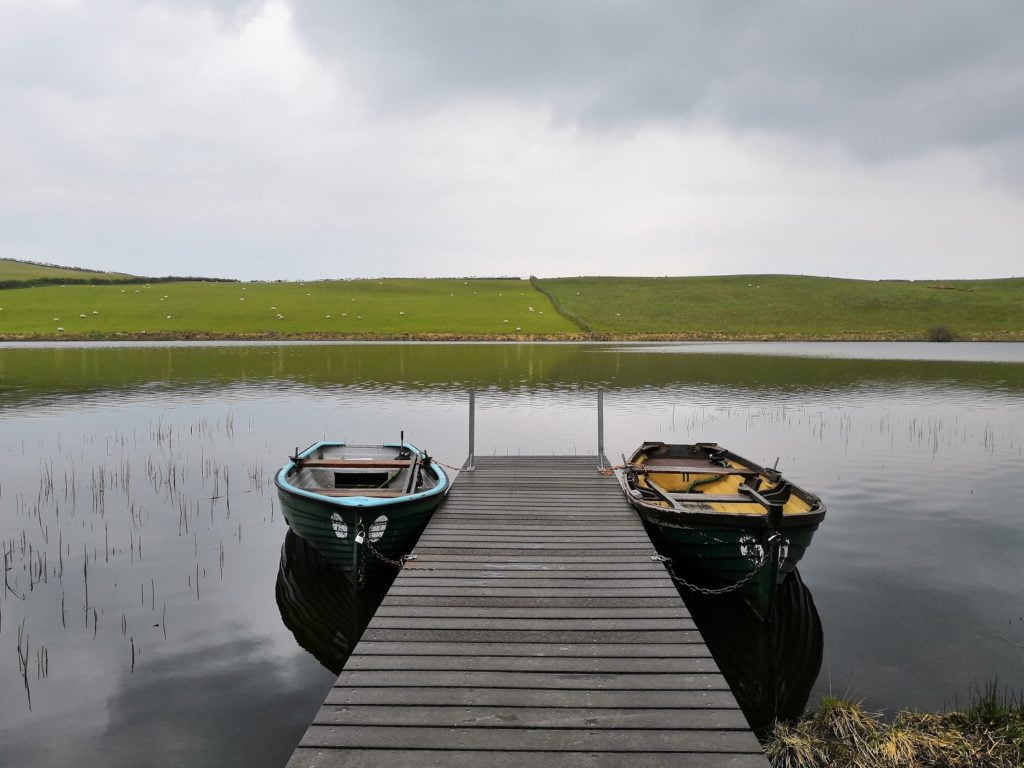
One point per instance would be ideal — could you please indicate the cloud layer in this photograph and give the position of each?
(337, 139)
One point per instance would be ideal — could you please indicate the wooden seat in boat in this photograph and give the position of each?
(373, 493)
(354, 463)
(698, 470)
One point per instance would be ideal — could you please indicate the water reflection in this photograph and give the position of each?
(770, 665)
(150, 469)
(321, 604)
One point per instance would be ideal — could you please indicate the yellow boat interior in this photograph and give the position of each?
(707, 478)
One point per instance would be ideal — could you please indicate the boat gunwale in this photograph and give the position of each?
(346, 502)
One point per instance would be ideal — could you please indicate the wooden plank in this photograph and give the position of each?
(533, 612)
(529, 717)
(514, 625)
(528, 557)
(487, 589)
(509, 581)
(560, 664)
(529, 739)
(533, 697)
(531, 636)
(355, 463)
(556, 680)
(644, 567)
(511, 601)
(322, 757)
(603, 650)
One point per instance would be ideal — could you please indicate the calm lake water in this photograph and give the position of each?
(141, 616)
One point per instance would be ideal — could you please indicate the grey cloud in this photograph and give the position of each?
(880, 78)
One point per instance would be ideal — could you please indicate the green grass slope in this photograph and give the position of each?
(12, 269)
(790, 307)
(330, 309)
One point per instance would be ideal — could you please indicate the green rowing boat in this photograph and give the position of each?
(362, 507)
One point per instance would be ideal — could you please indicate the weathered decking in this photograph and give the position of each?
(532, 630)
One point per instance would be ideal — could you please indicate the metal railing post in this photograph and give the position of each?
(468, 466)
(600, 429)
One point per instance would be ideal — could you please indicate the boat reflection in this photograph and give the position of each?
(320, 604)
(770, 664)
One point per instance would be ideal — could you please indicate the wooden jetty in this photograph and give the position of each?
(533, 629)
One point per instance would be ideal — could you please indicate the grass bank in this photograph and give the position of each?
(15, 270)
(371, 309)
(776, 307)
(988, 733)
(759, 307)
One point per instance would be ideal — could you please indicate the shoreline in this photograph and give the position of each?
(1007, 336)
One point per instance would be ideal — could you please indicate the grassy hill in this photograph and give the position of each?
(14, 270)
(355, 308)
(790, 307)
(730, 307)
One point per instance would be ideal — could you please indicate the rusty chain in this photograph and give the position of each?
(712, 591)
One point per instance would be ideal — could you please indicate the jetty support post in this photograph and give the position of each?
(600, 429)
(469, 465)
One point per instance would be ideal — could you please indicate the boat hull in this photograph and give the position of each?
(391, 529)
(715, 556)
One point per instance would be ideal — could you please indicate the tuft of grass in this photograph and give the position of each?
(796, 746)
(940, 333)
(988, 733)
(846, 722)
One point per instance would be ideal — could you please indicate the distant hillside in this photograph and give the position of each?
(91, 305)
(14, 270)
(789, 307)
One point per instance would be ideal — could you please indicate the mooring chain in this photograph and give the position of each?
(711, 591)
(362, 538)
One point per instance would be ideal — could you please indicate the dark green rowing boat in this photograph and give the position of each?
(362, 507)
(723, 522)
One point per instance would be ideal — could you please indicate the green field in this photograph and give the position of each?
(395, 308)
(731, 307)
(791, 307)
(12, 269)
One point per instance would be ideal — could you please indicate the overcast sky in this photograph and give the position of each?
(325, 138)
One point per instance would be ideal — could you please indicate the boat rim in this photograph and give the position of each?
(281, 480)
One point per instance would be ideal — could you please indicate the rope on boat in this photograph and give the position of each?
(773, 541)
(446, 466)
